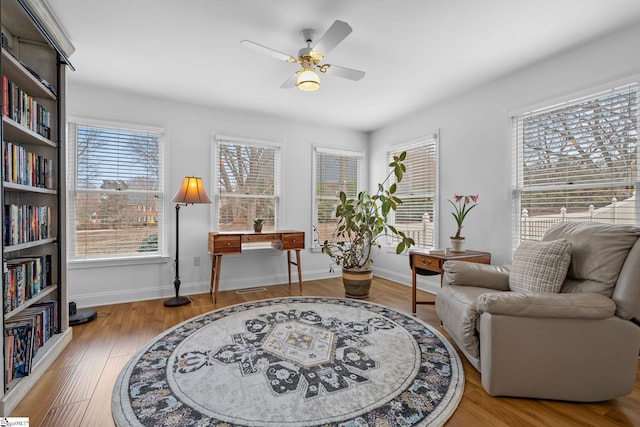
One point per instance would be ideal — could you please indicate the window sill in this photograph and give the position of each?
(391, 249)
(117, 262)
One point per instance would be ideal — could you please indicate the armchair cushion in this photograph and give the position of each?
(540, 267)
(598, 252)
(559, 306)
(488, 276)
(457, 309)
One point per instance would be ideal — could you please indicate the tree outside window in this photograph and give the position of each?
(116, 198)
(335, 170)
(576, 162)
(247, 184)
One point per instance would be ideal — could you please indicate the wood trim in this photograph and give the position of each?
(47, 18)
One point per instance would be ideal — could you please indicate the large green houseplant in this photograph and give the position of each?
(361, 222)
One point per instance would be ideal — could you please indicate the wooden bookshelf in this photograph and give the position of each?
(34, 59)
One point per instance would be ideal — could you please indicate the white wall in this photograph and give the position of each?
(475, 132)
(188, 152)
(475, 140)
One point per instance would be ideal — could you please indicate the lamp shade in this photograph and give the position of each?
(308, 80)
(192, 191)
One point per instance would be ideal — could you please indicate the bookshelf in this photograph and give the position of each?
(35, 320)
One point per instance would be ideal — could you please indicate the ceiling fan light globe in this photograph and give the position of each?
(308, 81)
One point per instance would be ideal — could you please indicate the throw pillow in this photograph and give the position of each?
(540, 267)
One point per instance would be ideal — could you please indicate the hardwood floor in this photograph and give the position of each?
(76, 390)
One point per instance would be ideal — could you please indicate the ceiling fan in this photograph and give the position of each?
(306, 78)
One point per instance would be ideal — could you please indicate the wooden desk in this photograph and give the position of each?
(424, 262)
(231, 243)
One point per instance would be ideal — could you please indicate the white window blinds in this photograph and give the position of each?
(416, 216)
(116, 199)
(335, 170)
(576, 162)
(247, 180)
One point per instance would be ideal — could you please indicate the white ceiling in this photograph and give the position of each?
(415, 52)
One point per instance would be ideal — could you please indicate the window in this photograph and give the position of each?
(418, 190)
(246, 177)
(576, 162)
(115, 191)
(334, 170)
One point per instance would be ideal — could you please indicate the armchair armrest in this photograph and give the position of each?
(463, 273)
(547, 305)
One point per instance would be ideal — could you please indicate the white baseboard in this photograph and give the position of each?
(429, 284)
(148, 293)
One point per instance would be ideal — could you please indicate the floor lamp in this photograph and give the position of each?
(191, 192)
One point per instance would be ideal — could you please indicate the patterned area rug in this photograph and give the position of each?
(304, 361)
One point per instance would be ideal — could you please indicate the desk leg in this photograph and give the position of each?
(289, 267)
(216, 264)
(296, 263)
(413, 290)
(299, 269)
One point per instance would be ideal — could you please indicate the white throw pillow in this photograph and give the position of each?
(540, 267)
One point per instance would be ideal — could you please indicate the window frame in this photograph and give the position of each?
(216, 137)
(360, 185)
(424, 140)
(517, 158)
(161, 255)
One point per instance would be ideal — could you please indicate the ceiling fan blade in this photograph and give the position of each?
(290, 82)
(347, 73)
(334, 35)
(267, 50)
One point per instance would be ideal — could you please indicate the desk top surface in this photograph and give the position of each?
(449, 254)
(247, 232)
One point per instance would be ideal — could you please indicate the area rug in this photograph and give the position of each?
(300, 361)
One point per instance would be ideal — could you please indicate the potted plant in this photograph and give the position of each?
(360, 224)
(257, 225)
(462, 206)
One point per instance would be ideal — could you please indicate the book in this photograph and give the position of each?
(5, 96)
(26, 223)
(22, 350)
(25, 278)
(51, 317)
(24, 109)
(8, 360)
(25, 167)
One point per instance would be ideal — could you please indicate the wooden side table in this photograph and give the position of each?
(422, 261)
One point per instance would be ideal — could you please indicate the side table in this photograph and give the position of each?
(423, 261)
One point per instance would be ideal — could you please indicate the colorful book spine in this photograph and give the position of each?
(24, 109)
(24, 278)
(26, 223)
(26, 168)
(5, 96)
(25, 334)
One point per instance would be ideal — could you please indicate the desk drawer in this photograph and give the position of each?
(427, 263)
(221, 244)
(293, 241)
(260, 238)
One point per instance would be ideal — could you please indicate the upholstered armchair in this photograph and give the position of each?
(562, 322)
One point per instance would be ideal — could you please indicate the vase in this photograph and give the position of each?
(457, 245)
(257, 228)
(357, 283)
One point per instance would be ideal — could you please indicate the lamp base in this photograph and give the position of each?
(176, 301)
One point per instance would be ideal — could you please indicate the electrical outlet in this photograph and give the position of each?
(196, 261)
